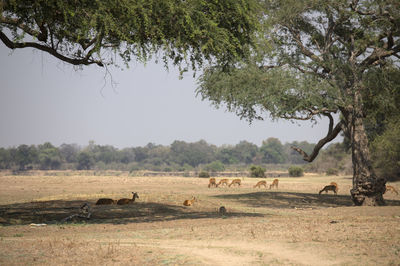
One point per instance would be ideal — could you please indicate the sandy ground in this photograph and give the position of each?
(291, 225)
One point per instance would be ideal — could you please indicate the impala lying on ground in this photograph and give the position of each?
(212, 182)
(106, 201)
(392, 189)
(223, 182)
(189, 202)
(235, 182)
(274, 183)
(128, 201)
(261, 183)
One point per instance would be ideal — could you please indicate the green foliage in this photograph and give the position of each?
(386, 151)
(272, 151)
(215, 166)
(49, 157)
(5, 158)
(85, 160)
(87, 32)
(257, 171)
(176, 157)
(296, 171)
(204, 174)
(25, 155)
(332, 171)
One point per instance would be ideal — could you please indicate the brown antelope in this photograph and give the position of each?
(392, 189)
(329, 187)
(335, 184)
(223, 182)
(189, 202)
(128, 201)
(105, 201)
(274, 183)
(212, 182)
(261, 183)
(235, 182)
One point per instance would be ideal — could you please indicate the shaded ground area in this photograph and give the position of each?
(282, 200)
(52, 212)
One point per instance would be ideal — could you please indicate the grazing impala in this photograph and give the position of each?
(274, 183)
(336, 185)
(223, 182)
(235, 182)
(212, 182)
(105, 201)
(392, 189)
(329, 187)
(261, 183)
(189, 202)
(128, 201)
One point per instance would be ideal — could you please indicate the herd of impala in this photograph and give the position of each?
(333, 186)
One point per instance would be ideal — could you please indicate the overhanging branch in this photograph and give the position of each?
(332, 133)
(74, 61)
(311, 114)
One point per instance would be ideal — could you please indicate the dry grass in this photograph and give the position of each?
(290, 225)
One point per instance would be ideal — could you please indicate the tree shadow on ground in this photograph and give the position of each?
(289, 200)
(53, 212)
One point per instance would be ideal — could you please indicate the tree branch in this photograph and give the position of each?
(311, 114)
(74, 61)
(332, 133)
(379, 54)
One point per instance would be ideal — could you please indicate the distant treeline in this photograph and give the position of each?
(179, 156)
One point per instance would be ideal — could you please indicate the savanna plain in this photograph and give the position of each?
(288, 225)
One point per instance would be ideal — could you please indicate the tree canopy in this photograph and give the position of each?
(84, 32)
(316, 59)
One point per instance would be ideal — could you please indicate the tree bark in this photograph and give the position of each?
(368, 188)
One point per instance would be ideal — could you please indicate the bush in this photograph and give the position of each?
(296, 171)
(257, 171)
(332, 171)
(215, 166)
(204, 174)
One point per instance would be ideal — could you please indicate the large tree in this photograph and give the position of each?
(84, 32)
(317, 58)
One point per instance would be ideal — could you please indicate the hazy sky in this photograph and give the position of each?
(43, 99)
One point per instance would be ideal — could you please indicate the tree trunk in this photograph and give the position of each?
(367, 188)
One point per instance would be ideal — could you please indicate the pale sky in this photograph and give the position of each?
(43, 99)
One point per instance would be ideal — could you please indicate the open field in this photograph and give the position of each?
(291, 225)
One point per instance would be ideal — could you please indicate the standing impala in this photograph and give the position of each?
(235, 182)
(223, 182)
(212, 182)
(261, 183)
(274, 183)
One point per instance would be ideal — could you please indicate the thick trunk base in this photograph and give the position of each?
(369, 193)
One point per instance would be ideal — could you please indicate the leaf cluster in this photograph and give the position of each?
(96, 31)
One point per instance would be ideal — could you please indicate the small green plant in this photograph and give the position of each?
(204, 174)
(332, 171)
(257, 171)
(296, 171)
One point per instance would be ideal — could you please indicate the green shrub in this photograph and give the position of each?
(257, 171)
(296, 171)
(215, 166)
(204, 174)
(332, 171)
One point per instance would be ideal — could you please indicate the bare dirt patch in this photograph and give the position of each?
(291, 225)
